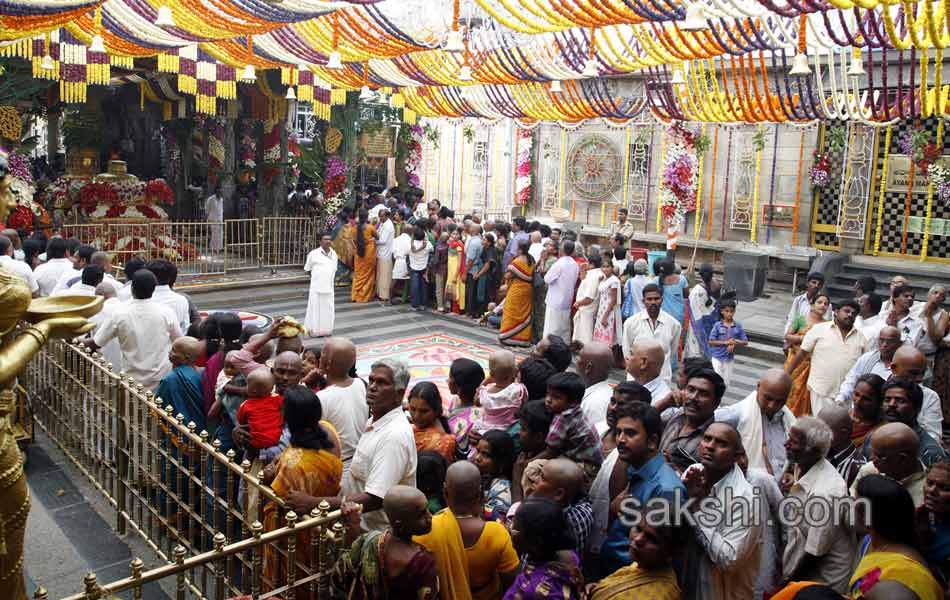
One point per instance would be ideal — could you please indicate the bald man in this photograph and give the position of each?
(724, 554)
(877, 360)
(645, 366)
(763, 421)
(843, 454)
(344, 398)
(463, 494)
(287, 370)
(182, 387)
(562, 481)
(910, 363)
(894, 453)
(594, 364)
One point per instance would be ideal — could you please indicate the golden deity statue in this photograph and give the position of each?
(62, 317)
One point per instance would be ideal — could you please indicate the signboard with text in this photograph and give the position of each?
(898, 173)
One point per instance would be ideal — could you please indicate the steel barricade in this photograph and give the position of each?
(196, 247)
(286, 241)
(167, 481)
(242, 244)
(91, 233)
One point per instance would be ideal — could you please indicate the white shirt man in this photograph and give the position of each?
(870, 362)
(345, 408)
(386, 232)
(214, 213)
(594, 404)
(321, 264)
(666, 330)
(78, 289)
(384, 457)
(111, 351)
(145, 330)
(728, 565)
(48, 273)
(828, 540)
(833, 353)
(22, 270)
(68, 278)
(178, 304)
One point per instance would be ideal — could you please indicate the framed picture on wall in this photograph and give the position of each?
(782, 215)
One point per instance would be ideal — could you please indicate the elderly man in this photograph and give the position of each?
(17, 267)
(645, 366)
(594, 364)
(877, 361)
(182, 387)
(344, 398)
(684, 432)
(763, 421)
(386, 233)
(802, 304)
(910, 363)
(386, 453)
(843, 454)
(722, 556)
(536, 246)
(562, 481)
(561, 280)
(321, 264)
(816, 551)
(145, 330)
(834, 347)
(903, 399)
(935, 320)
(896, 450)
(652, 323)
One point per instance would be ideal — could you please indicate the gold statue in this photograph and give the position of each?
(15, 352)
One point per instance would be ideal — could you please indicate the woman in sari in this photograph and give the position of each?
(308, 466)
(586, 300)
(364, 263)
(454, 279)
(430, 427)
(476, 559)
(465, 375)
(383, 565)
(891, 551)
(652, 549)
(799, 400)
(344, 245)
(516, 318)
(542, 535)
(607, 325)
(866, 401)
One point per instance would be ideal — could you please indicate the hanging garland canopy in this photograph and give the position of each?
(709, 60)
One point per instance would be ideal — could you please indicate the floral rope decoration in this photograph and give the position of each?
(930, 195)
(414, 154)
(758, 141)
(679, 178)
(523, 173)
(883, 187)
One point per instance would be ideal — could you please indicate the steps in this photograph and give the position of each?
(920, 278)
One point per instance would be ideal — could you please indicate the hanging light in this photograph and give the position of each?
(856, 68)
(695, 18)
(366, 93)
(590, 68)
(556, 86)
(800, 66)
(248, 73)
(165, 18)
(678, 77)
(335, 62)
(97, 45)
(291, 94)
(465, 73)
(47, 63)
(454, 42)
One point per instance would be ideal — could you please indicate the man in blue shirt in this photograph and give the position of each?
(518, 233)
(648, 478)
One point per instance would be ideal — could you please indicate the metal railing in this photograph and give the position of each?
(204, 248)
(167, 481)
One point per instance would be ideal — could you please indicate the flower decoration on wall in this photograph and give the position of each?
(917, 144)
(939, 176)
(414, 154)
(679, 174)
(819, 173)
(523, 182)
(334, 180)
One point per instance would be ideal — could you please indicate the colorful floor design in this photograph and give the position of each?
(429, 358)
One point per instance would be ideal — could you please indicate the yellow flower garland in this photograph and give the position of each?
(699, 190)
(626, 167)
(755, 196)
(880, 197)
(930, 199)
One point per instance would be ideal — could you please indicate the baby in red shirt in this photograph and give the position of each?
(261, 411)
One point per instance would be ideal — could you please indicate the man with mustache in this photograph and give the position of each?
(903, 400)
(877, 360)
(684, 432)
(910, 363)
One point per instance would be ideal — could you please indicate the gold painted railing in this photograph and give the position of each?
(170, 483)
(204, 248)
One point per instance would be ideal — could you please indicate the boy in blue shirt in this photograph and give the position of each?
(726, 334)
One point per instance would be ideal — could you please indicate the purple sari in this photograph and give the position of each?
(209, 377)
(552, 580)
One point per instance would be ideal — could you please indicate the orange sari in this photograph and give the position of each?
(314, 472)
(364, 268)
(799, 399)
(516, 317)
(431, 438)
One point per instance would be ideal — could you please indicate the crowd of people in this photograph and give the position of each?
(540, 479)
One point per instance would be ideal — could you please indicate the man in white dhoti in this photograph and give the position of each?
(561, 279)
(214, 213)
(321, 264)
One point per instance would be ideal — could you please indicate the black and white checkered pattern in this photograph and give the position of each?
(892, 230)
(829, 196)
